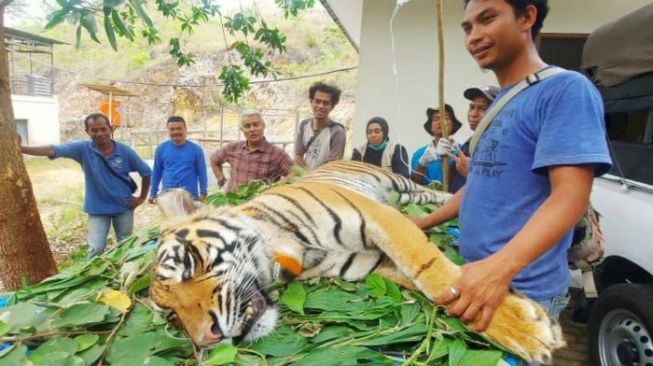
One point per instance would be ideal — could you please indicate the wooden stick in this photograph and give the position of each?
(443, 121)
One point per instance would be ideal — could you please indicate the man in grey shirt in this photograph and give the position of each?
(319, 139)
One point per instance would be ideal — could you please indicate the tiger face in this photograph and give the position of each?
(210, 280)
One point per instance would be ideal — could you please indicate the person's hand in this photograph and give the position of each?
(478, 292)
(444, 147)
(135, 202)
(461, 160)
(201, 197)
(428, 156)
(221, 181)
(152, 200)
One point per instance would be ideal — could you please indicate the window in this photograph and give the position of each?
(21, 127)
(631, 141)
(562, 49)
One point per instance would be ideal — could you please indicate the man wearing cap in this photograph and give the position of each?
(425, 163)
(479, 101)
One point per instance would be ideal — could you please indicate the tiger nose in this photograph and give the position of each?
(211, 336)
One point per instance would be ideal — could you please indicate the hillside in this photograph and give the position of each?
(315, 45)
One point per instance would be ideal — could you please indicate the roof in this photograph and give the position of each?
(620, 50)
(22, 35)
(347, 16)
(109, 89)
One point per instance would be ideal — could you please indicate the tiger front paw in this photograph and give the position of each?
(525, 329)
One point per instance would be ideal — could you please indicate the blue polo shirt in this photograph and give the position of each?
(104, 193)
(179, 167)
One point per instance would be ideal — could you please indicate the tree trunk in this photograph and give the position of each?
(24, 248)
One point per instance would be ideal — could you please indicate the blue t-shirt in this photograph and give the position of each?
(179, 167)
(558, 121)
(104, 193)
(433, 169)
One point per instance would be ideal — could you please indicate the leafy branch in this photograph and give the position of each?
(129, 19)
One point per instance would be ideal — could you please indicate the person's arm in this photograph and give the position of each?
(570, 191)
(145, 186)
(200, 167)
(300, 149)
(448, 211)
(337, 145)
(45, 150)
(299, 160)
(400, 161)
(157, 171)
(217, 160)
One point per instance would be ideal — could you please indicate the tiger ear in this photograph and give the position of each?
(176, 203)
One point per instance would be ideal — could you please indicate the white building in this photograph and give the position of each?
(30, 63)
(408, 44)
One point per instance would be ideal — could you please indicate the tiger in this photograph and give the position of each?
(214, 265)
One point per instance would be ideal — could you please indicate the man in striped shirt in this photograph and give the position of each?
(254, 158)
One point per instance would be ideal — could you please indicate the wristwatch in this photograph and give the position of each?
(221, 181)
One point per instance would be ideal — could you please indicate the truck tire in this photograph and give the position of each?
(621, 326)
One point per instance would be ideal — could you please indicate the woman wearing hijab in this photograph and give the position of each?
(380, 151)
(425, 162)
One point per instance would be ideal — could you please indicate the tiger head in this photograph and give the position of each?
(208, 273)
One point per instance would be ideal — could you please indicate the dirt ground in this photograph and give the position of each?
(58, 187)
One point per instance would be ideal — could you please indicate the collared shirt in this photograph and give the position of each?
(104, 193)
(266, 162)
(179, 167)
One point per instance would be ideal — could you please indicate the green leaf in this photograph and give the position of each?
(108, 29)
(137, 349)
(411, 334)
(140, 320)
(137, 5)
(4, 328)
(409, 313)
(393, 291)
(294, 297)
(56, 17)
(122, 27)
(16, 357)
(223, 354)
(23, 315)
(55, 351)
(376, 285)
(88, 22)
(81, 314)
(414, 210)
(281, 343)
(457, 351)
(480, 358)
(140, 284)
(92, 354)
(343, 356)
(85, 341)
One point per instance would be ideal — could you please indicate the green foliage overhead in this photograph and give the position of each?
(130, 19)
(63, 320)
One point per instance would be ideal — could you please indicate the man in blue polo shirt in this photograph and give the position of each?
(108, 198)
(178, 163)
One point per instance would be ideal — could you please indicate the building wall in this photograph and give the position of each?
(402, 98)
(42, 115)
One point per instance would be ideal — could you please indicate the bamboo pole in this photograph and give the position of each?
(443, 121)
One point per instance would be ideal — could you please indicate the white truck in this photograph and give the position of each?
(618, 57)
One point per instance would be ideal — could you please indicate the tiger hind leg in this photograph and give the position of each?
(519, 323)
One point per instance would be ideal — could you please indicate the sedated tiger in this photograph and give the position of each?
(214, 265)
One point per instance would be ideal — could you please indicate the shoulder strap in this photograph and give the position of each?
(499, 104)
(317, 133)
(106, 163)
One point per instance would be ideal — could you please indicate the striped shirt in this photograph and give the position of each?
(266, 162)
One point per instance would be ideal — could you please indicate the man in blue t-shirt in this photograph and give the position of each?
(531, 173)
(178, 163)
(108, 198)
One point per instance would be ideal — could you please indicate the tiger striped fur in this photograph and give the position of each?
(214, 264)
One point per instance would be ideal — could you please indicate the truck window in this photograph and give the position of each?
(631, 141)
